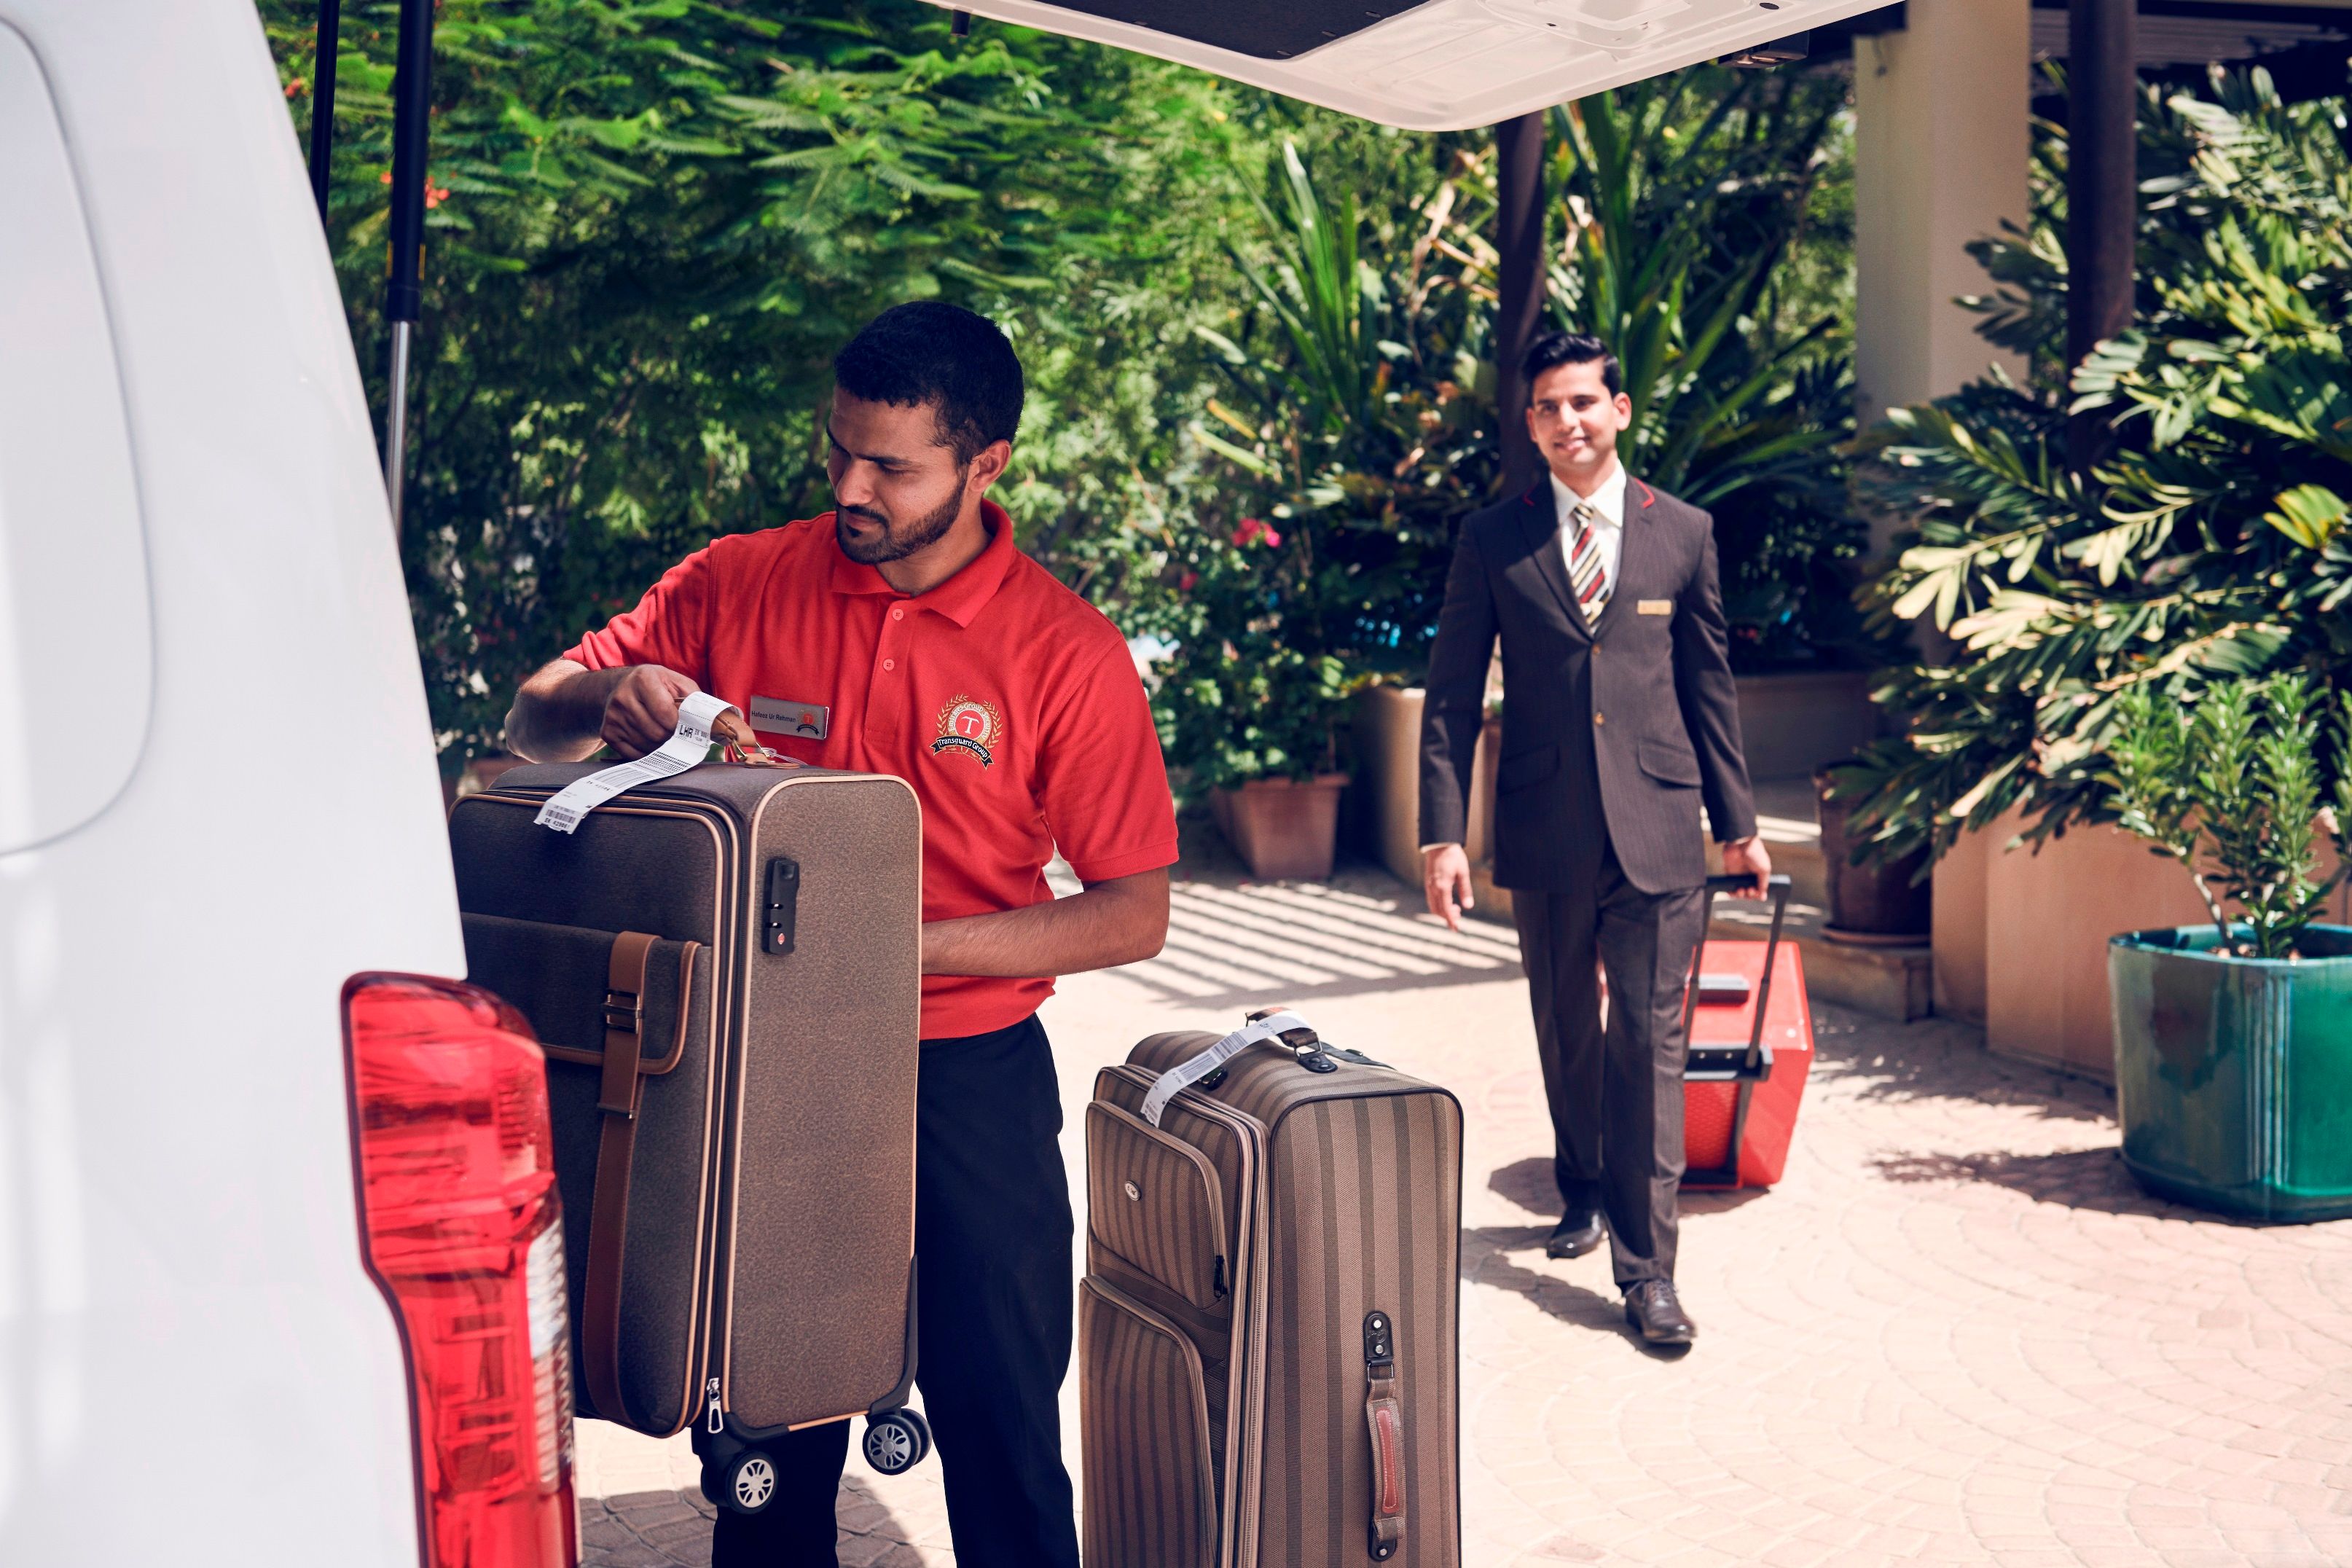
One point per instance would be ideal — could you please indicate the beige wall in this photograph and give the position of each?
(1960, 924)
(2040, 921)
(1940, 156)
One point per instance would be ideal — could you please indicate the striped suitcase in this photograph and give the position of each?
(1267, 1326)
(723, 969)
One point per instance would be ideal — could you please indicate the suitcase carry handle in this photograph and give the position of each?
(1384, 1415)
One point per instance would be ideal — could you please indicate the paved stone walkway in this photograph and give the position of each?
(1956, 1333)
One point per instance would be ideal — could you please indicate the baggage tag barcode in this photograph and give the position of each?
(570, 805)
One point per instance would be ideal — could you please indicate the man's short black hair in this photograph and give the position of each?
(1572, 348)
(931, 352)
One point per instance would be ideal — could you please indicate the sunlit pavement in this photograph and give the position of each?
(1956, 1333)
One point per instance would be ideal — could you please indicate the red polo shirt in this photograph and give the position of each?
(1010, 703)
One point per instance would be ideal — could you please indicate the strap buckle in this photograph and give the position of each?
(625, 1012)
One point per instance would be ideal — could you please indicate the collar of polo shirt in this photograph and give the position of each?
(960, 596)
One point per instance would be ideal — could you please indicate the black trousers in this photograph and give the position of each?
(1616, 1094)
(993, 1231)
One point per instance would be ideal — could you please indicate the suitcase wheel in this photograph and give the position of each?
(743, 1483)
(897, 1443)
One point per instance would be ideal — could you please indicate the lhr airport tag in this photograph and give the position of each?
(571, 804)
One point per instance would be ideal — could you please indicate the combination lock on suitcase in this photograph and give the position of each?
(724, 970)
(1268, 1329)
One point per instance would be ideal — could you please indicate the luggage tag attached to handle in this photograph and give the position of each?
(701, 717)
(1284, 1027)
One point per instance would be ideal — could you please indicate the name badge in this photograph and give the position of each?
(1654, 607)
(803, 720)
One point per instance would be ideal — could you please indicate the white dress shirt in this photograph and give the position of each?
(1609, 500)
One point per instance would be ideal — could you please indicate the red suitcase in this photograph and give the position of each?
(1751, 1049)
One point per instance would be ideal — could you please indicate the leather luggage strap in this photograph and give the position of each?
(1384, 1414)
(608, 1222)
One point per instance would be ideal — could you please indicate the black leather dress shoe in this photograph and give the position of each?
(1574, 1235)
(1652, 1308)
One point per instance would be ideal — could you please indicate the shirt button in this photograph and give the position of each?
(1597, 718)
(897, 612)
(889, 664)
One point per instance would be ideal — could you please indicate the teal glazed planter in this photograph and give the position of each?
(2233, 1076)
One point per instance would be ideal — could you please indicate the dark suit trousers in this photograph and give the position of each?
(1616, 1094)
(993, 1230)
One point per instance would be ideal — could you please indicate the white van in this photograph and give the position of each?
(219, 806)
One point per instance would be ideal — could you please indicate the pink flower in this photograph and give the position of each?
(1255, 529)
(1184, 583)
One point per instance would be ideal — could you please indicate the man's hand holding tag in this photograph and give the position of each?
(642, 711)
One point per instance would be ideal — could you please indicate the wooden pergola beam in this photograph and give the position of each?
(2102, 190)
(1519, 285)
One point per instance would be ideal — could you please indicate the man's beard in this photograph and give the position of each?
(897, 541)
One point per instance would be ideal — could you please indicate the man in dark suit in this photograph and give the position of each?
(1619, 720)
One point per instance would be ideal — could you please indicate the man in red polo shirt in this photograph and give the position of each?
(903, 633)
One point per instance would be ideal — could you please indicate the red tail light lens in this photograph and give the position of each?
(458, 1210)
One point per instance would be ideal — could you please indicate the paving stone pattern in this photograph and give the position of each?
(1956, 1333)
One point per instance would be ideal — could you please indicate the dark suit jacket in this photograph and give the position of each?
(1626, 726)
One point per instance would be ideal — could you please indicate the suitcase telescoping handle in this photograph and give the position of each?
(1777, 886)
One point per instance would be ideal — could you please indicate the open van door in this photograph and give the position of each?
(1431, 65)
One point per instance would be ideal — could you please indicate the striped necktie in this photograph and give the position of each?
(1585, 573)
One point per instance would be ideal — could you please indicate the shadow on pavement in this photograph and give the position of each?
(1234, 943)
(1941, 1058)
(672, 1530)
(2093, 1179)
(1528, 1182)
(1484, 1263)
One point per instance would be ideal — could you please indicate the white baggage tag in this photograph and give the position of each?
(1177, 1080)
(569, 805)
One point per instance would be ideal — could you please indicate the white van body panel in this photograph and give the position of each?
(194, 1367)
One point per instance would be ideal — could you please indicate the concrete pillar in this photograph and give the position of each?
(1940, 157)
(1941, 146)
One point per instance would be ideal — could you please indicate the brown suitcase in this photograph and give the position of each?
(724, 969)
(1268, 1322)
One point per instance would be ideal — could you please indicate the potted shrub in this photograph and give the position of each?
(1874, 900)
(2233, 1039)
(1252, 718)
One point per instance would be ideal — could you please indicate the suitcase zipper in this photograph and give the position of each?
(717, 1418)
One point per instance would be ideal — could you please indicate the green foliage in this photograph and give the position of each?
(2208, 547)
(1704, 232)
(2234, 782)
(1359, 435)
(1698, 210)
(653, 223)
(1240, 698)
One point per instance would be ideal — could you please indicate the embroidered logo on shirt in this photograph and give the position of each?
(969, 724)
(781, 716)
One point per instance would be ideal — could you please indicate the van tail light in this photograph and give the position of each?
(460, 1227)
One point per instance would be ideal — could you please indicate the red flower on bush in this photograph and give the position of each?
(1255, 529)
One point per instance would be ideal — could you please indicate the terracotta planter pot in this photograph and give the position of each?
(1283, 829)
(1876, 905)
